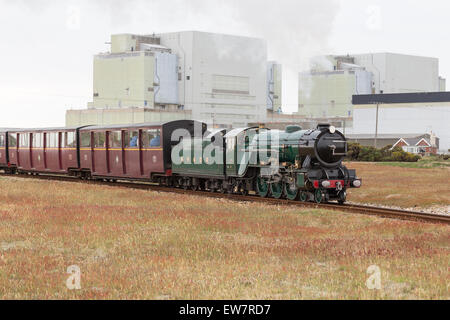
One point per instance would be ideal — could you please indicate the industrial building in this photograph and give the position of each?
(327, 89)
(274, 90)
(403, 115)
(223, 80)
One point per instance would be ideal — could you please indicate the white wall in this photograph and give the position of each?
(399, 73)
(205, 55)
(404, 118)
(166, 68)
(442, 84)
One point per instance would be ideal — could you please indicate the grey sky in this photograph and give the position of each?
(47, 46)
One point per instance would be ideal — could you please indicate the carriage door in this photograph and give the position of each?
(12, 148)
(242, 151)
(231, 156)
(99, 154)
(132, 153)
(115, 150)
(3, 159)
(60, 144)
(24, 151)
(37, 151)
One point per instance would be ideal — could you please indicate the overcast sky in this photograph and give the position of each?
(46, 46)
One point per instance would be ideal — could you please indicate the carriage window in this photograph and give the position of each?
(52, 140)
(85, 138)
(99, 140)
(69, 139)
(115, 139)
(151, 138)
(37, 140)
(231, 144)
(12, 141)
(131, 139)
(2, 140)
(23, 140)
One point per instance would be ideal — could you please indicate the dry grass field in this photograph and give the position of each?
(136, 244)
(390, 184)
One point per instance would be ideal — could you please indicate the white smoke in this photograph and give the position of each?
(295, 30)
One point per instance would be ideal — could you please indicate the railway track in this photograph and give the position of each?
(352, 208)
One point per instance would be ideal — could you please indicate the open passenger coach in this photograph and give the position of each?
(139, 151)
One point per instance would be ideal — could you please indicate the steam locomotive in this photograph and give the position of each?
(296, 164)
(293, 164)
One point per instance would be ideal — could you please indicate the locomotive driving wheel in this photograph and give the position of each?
(318, 196)
(276, 189)
(262, 187)
(342, 197)
(303, 196)
(291, 191)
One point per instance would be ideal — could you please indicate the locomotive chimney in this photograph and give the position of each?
(323, 126)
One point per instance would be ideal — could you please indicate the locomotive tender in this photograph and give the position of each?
(295, 163)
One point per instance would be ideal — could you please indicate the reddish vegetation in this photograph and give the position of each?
(141, 244)
(404, 187)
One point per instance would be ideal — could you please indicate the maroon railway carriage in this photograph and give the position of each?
(4, 155)
(46, 150)
(137, 151)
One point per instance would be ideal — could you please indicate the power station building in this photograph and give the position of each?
(327, 89)
(223, 80)
(274, 90)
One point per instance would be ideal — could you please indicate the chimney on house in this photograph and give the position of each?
(433, 139)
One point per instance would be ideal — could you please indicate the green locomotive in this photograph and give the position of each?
(293, 164)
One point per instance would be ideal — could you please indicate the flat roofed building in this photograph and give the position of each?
(103, 117)
(405, 113)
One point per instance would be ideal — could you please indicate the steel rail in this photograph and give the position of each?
(353, 208)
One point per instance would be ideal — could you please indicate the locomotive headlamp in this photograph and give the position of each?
(332, 129)
(357, 183)
(326, 184)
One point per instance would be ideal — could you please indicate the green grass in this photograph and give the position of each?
(426, 163)
(138, 244)
(404, 187)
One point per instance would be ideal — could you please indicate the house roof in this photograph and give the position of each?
(413, 141)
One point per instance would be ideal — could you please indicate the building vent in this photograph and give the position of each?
(230, 84)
